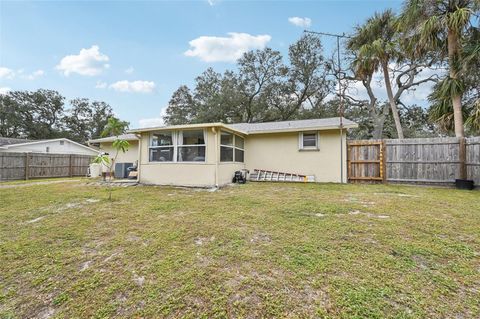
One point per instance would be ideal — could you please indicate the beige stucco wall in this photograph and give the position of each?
(274, 151)
(182, 174)
(129, 156)
(226, 172)
(186, 174)
(280, 152)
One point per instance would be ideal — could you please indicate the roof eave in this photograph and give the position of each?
(100, 140)
(52, 140)
(185, 126)
(302, 129)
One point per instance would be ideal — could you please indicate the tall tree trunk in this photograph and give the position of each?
(378, 118)
(456, 99)
(393, 105)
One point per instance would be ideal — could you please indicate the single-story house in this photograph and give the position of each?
(105, 145)
(54, 146)
(208, 154)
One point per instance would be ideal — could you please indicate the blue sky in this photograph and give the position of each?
(134, 54)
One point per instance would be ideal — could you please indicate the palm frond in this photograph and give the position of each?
(473, 120)
(442, 114)
(459, 19)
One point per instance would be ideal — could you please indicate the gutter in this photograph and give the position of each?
(139, 164)
(303, 129)
(217, 147)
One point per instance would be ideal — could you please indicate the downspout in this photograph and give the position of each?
(215, 133)
(139, 164)
(341, 151)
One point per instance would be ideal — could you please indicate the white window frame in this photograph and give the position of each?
(309, 148)
(161, 146)
(179, 137)
(233, 147)
(176, 138)
(238, 148)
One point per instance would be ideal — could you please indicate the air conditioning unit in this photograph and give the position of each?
(121, 169)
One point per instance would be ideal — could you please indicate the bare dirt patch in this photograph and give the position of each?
(199, 241)
(85, 265)
(139, 280)
(261, 238)
(35, 220)
(40, 183)
(357, 212)
(45, 313)
(396, 194)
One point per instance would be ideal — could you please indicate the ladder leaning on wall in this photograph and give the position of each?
(261, 175)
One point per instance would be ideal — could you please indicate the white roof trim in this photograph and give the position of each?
(186, 127)
(113, 138)
(47, 141)
(316, 127)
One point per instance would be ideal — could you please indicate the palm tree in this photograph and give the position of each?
(114, 127)
(438, 28)
(374, 45)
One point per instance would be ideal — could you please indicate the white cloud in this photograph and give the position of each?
(134, 86)
(6, 73)
(20, 73)
(226, 49)
(151, 122)
(213, 2)
(4, 90)
(154, 121)
(34, 75)
(101, 85)
(88, 62)
(130, 70)
(300, 22)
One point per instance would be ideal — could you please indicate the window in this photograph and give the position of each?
(191, 146)
(161, 147)
(231, 148)
(161, 154)
(226, 147)
(182, 146)
(47, 149)
(239, 149)
(62, 142)
(308, 141)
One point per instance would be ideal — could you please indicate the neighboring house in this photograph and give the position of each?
(54, 146)
(105, 145)
(208, 154)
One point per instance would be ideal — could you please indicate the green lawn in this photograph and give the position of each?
(249, 251)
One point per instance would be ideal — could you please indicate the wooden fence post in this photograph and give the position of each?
(349, 162)
(462, 154)
(70, 168)
(27, 168)
(383, 161)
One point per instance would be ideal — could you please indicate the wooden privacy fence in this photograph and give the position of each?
(14, 166)
(421, 160)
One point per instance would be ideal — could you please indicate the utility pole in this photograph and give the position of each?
(340, 94)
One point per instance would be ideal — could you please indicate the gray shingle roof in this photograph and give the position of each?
(332, 122)
(12, 141)
(127, 137)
